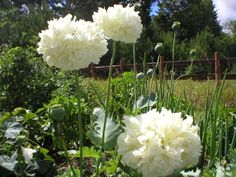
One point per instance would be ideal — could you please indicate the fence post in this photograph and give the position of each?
(217, 67)
(121, 65)
(161, 67)
(92, 70)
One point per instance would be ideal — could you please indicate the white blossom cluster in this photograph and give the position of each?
(69, 44)
(158, 143)
(119, 23)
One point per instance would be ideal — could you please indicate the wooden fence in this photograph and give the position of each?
(216, 68)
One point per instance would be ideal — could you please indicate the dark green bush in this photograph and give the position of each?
(25, 80)
(19, 29)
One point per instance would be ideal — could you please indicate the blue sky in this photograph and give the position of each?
(226, 10)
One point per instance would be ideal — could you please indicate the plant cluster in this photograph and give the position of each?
(137, 128)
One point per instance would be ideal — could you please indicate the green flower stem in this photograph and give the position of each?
(67, 156)
(134, 58)
(173, 55)
(107, 104)
(153, 74)
(135, 81)
(108, 92)
(20, 160)
(171, 86)
(80, 123)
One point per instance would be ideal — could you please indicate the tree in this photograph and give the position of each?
(191, 14)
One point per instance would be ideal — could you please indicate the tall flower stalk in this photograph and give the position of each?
(175, 28)
(108, 92)
(106, 106)
(80, 122)
(135, 81)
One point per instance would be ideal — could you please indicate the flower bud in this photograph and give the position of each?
(193, 52)
(176, 26)
(140, 76)
(159, 48)
(150, 72)
(57, 112)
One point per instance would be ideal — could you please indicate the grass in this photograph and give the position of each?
(196, 91)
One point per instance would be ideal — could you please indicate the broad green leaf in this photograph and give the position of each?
(41, 168)
(9, 163)
(112, 130)
(147, 101)
(231, 170)
(45, 153)
(110, 167)
(4, 116)
(12, 129)
(29, 116)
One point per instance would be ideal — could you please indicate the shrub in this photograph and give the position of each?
(25, 81)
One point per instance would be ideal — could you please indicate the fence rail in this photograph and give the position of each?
(217, 68)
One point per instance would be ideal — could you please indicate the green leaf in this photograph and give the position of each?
(68, 173)
(18, 111)
(12, 129)
(29, 116)
(9, 163)
(41, 168)
(45, 153)
(231, 170)
(110, 167)
(112, 130)
(4, 117)
(87, 153)
(147, 101)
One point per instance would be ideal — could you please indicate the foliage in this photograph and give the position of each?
(22, 128)
(25, 81)
(19, 29)
(96, 133)
(191, 14)
(91, 90)
(122, 94)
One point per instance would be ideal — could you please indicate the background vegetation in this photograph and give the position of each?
(27, 83)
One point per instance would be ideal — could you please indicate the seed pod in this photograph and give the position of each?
(57, 112)
(193, 52)
(176, 26)
(150, 72)
(140, 76)
(159, 48)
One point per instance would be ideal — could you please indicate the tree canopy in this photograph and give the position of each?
(191, 14)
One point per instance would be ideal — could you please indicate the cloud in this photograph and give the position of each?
(226, 10)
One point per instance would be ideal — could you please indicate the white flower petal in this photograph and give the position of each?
(70, 45)
(158, 143)
(119, 23)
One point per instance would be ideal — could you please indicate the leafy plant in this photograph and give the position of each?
(25, 81)
(112, 130)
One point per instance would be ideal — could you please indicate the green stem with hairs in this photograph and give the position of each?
(80, 123)
(107, 104)
(135, 82)
(67, 156)
(173, 55)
